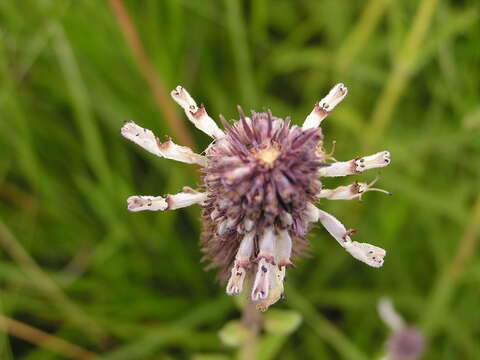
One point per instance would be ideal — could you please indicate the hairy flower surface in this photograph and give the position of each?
(261, 179)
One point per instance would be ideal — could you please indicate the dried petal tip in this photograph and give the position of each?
(261, 285)
(369, 254)
(334, 97)
(237, 277)
(142, 137)
(197, 115)
(325, 106)
(183, 98)
(152, 203)
(380, 159)
(356, 166)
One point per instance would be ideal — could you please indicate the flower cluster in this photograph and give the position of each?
(261, 179)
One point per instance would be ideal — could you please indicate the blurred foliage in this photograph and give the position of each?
(77, 265)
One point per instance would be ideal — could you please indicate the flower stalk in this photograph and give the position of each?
(252, 320)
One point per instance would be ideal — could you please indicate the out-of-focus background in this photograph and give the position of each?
(80, 275)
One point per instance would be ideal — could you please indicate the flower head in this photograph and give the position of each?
(405, 342)
(261, 178)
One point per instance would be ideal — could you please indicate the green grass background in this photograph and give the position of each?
(76, 264)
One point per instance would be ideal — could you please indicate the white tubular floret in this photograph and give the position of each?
(325, 106)
(237, 174)
(356, 166)
(222, 227)
(239, 268)
(245, 250)
(172, 151)
(267, 245)
(312, 212)
(197, 115)
(367, 253)
(185, 198)
(349, 192)
(248, 224)
(169, 202)
(335, 228)
(283, 251)
(283, 248)
(169, 150)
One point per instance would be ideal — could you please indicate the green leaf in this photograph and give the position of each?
(282, 322)
(233, 333)
(210, 357)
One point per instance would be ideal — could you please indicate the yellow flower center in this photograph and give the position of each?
(268, 155)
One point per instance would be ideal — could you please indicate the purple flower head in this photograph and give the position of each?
(405, 342)
(261, 178)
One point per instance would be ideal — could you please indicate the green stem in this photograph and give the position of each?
(251, 320)
(446, 284)
(401, 73)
